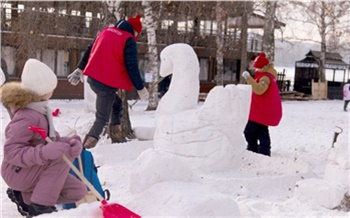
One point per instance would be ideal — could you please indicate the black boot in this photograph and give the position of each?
(16, 197)
(36, 209)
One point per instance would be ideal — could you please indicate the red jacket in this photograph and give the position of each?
(266, 109)
(106, 62)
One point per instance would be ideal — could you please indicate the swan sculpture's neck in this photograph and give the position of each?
(182, 61)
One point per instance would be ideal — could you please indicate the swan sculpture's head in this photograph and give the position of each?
(181, 61)
(180, 54)
(166, 63)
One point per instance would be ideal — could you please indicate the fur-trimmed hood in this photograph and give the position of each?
(269, 69)
(14, 95)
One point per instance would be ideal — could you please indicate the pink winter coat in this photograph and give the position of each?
(346, 92)
(31, 165)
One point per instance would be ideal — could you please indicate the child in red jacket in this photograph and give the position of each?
(265, 108)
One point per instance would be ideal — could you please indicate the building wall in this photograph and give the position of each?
(61, 45)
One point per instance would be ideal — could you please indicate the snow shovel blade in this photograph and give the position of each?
(116, 211)
(108, 210)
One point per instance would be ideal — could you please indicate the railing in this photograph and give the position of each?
(54, 23)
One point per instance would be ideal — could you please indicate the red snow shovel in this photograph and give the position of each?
(108, 210)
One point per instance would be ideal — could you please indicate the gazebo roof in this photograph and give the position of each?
(255, 21)
(312, 60)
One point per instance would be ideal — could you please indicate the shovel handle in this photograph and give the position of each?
(42, 132)
(82, 178)
(155, 83)
(149, 89)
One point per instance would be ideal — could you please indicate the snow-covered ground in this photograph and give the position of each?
(260, 186)
(192, 160)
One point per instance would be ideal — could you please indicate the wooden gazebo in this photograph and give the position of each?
(307, 70)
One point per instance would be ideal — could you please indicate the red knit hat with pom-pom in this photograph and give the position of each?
(261, 61)
(136, 23)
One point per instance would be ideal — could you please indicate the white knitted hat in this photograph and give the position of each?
(38, 77)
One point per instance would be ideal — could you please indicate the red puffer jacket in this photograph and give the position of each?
(106, 62)
(266, 109)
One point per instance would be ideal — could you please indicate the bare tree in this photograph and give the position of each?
(324, 15)
(36, 27)
(112, 14)
(269, 29)
(113, 9)
(219, 45)
(243, 40)
(152, 51)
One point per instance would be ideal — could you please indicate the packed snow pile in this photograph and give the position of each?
(2, 77)
(194, 143)
(195, 161)
(334, 187)
(181, 142)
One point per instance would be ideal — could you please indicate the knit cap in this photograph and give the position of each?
(38, 77)
(261, 61)
(136, 23)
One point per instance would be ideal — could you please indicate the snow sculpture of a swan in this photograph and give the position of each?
(201, 135)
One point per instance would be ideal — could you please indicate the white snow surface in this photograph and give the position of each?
(196, 163)
(2, 77)
(260, 186)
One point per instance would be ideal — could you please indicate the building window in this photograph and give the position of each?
(88, 19)
(230, 70)
(204, 69)
(335, 75)
(62, 63)
(49, 58)
(8, 60)
(144, 70)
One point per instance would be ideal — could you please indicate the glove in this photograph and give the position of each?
(54, 150)
(75, 143)
(77, 147)
(143, 93)
(246, 74)
(75, 77)
(67, 139)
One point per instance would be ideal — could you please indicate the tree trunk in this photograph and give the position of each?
(321, 70)
(219, 79)
(269, 30)
(243, 40)
(125, 119)
(113, 8)
(111, 15)
(152, 52)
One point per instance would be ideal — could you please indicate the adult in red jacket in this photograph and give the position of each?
(265, 108)
(111, 63)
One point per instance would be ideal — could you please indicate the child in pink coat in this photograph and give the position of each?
(34, 169)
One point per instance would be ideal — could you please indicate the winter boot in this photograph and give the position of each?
(115, 133)
(90, 142)
(36, 209)
(16, 197)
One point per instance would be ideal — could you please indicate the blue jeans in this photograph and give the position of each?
(258, 138)
(108, 110)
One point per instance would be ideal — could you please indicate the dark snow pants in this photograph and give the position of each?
(108, 109)
(346, 102)
(258, 138)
